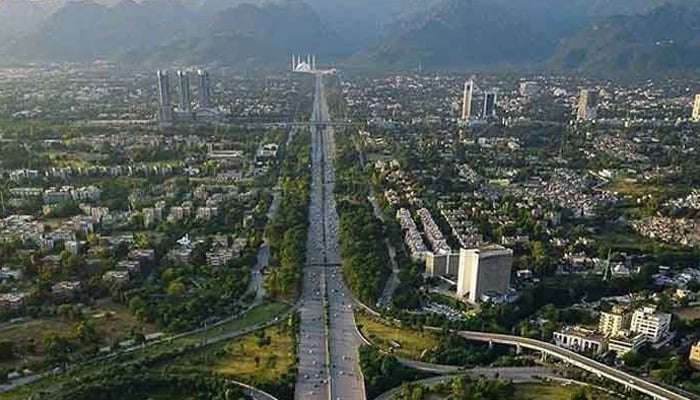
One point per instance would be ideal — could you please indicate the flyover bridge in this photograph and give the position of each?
(548, 349)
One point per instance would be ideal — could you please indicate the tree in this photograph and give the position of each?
(579, 394)
(7, 350)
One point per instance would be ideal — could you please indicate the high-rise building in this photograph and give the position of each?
(696, 108)
(204, 89)
(484, 272)
(467, 99)
(612, 322)
(165, 112)
(185, 98)
(587, 105)
(651, 323)
(489, 105)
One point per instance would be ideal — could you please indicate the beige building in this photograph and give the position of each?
(587, 105)
(613, 321)
(696, 109)
(694, 356)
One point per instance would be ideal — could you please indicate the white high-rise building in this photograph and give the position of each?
(467, 99)
(651, 323)
(484, 272)
(696, 109)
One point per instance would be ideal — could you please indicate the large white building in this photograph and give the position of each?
(484, 272)
(651, 323)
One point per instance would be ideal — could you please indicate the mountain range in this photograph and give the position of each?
(600, 35)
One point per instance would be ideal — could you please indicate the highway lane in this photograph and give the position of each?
(329, 341)
(313, 369)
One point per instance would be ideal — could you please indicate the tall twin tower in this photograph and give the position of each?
(489, 106)
(166, 113)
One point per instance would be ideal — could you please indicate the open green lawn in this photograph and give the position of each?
(257, 315)
(261, 314)
(413, 343)
(541, 391)
(635, 189)
(248, 358)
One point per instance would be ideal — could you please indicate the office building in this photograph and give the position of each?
(204, 89)
(612, 322)
(694, 356)
(587, 105)
(484, 272)
(467, 99)
(165, 112)
(651, 323)
(185, 98)
(529, 88)
(696, 108)
(489, 105)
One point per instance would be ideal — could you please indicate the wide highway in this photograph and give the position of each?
(329, 341)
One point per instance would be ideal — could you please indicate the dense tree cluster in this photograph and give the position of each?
(287, 231)
(365, 258)
(462, 388)
(383, 372)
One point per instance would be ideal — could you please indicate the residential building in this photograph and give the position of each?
(13, 301)
(650, 322)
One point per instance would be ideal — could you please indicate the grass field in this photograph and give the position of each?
(413, 343)
(634, 189)
(112, 322)
(258, 315)
(246, 358)
(556, 392)
(255, 316)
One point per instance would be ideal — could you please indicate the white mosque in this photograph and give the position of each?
(307, 66)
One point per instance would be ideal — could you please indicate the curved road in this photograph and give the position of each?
(578, 360)
(515, 374)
